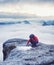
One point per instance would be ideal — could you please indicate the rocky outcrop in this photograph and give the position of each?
(48, 22)
(40, 55)
(26, 22)
(9, 45)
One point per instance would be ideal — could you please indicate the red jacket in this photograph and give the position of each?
(34, 39)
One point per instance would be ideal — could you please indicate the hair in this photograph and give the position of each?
(31, 36)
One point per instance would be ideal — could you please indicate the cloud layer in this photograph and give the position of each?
(35, 7)
(8, 1)
(15, 15)
(23, 1)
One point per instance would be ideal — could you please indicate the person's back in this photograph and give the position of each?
(33, 39)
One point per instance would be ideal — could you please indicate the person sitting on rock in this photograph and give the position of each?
(33, 40)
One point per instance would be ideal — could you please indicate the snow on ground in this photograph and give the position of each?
(24, 48)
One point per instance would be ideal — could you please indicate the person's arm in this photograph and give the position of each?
(28, 42)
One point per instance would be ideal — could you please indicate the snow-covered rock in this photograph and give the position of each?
(26, 22)
(48, 22)
(16, 55)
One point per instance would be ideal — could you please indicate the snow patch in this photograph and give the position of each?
(24, 48)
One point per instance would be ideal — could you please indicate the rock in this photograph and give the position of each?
(9, 45)
(41, 55)
(7, 50)
(26, 22)
(48, 22)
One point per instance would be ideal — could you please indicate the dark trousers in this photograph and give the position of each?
(34, 44)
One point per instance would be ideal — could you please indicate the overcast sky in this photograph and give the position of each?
(15, 1)
(34, 7)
